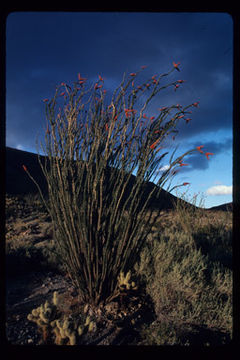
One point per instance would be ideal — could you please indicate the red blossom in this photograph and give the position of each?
(128, 111)
(181, 163)
(133, 74)
(152, 118)
(100, 78)
(207, 154)
(147, 85)
(199, 148)
(24, 167)
(154, 144)
(97, 86)
(187, 120)
(45, 100)
(196, 104)
(62, 93)
(176, 65)
(131, 110)
(145, 116)
(81, 78)
(181, 81)
(186, 183)
(176, 86)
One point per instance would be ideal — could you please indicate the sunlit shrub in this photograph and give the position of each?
(93, 144)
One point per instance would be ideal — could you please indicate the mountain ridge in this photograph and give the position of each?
(19, 183)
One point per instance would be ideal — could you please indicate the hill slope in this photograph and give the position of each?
(18, 182)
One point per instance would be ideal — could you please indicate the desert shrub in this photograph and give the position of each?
(186, 287)
(178, 274)
(216, 243)
(161, 333)
(212, 232)
(189, 213)
(27, 257)
(93, 144)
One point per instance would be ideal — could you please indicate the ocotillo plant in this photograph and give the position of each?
(93, 145)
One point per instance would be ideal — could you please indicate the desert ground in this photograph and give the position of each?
(184, 279)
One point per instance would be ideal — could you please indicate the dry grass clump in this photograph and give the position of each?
(191, 285)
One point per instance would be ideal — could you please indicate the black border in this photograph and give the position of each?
(198, 352)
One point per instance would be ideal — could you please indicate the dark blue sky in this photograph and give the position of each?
(44, 49)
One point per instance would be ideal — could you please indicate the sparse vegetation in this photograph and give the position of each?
(190, 284)
(187, 276)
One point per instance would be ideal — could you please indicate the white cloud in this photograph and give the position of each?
(219, 190)
(19, 147)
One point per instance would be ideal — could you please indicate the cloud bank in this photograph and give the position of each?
(219, 190)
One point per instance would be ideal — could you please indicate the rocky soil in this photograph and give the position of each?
(30, 285)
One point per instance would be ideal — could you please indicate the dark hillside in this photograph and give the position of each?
(223, 207)
(18, 182)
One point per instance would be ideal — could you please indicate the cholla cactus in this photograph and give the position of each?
(55, 298)
(44, 315)
(69, 332)
(92, 326)
(65, 332)
(124, 282)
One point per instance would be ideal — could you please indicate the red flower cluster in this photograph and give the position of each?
(196, 104)
(207, 154)
(199, 148)
(181, 163)
(176, 65)
(81, 80)
(129, 111)
(96, 86)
